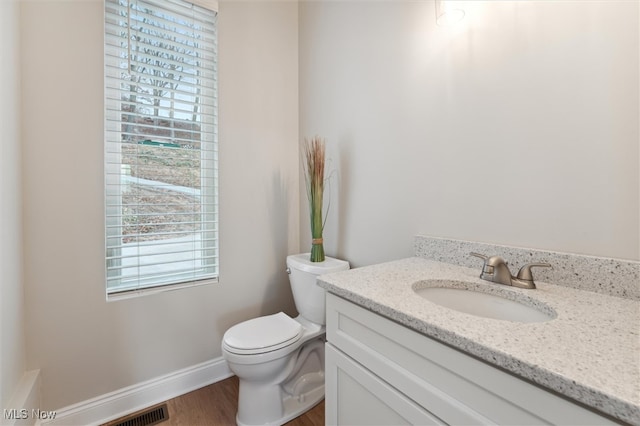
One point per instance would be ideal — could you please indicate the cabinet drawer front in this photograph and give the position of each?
(361, 398)
(455, 387)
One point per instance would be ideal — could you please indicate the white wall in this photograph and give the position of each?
(518, 127)
(12, 344)
(85, 346)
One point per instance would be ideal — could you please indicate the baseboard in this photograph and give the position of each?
(24, 403)
(119, 403)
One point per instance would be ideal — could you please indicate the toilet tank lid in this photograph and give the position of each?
(303, 263)
(263, 333)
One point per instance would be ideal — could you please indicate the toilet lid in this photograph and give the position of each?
(262, 334)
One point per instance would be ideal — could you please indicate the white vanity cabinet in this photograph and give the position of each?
(379, 372)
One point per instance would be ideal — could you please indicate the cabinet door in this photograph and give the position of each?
(355, 396)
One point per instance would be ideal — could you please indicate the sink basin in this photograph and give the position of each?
(482, 304)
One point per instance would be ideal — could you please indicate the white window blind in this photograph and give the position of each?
(161, 144)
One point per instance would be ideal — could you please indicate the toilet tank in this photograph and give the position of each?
(309, 297)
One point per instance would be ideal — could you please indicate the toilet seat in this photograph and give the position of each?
(262, 334)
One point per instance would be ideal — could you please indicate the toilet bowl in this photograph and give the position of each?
(279, 360)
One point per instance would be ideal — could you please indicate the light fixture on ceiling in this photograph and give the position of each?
(448, 13)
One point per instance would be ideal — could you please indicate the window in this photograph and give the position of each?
(161, 151)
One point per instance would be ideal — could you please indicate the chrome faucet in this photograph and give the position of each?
(495, 269)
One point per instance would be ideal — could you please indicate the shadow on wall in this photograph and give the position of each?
(278, 289)
(343, 184)
(277, 294)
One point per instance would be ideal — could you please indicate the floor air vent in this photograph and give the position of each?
(147, 418)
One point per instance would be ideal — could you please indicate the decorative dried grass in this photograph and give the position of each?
(313, 151)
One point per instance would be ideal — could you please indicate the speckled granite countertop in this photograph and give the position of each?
(590, 352)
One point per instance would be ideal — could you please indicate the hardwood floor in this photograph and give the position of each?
(217, 404)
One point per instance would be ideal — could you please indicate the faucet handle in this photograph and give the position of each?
(489, 261)
(490, 265)
(486, 268)
(481, 256)
(525, 274)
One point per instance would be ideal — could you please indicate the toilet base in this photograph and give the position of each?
(294, 406)
(276, 404)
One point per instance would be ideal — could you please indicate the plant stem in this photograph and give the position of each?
(317, 252)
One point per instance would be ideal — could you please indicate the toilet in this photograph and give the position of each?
(279, 360)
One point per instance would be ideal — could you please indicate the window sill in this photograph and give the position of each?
(129, 294)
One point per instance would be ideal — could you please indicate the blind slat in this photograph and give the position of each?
(160, 235)
(178, 11)
(142, 257)
(183, 101)
(137, 282)
(116, 42)
(136, 256)
(133, 283)
(188, 71)
(130, 97)
(177, 17)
